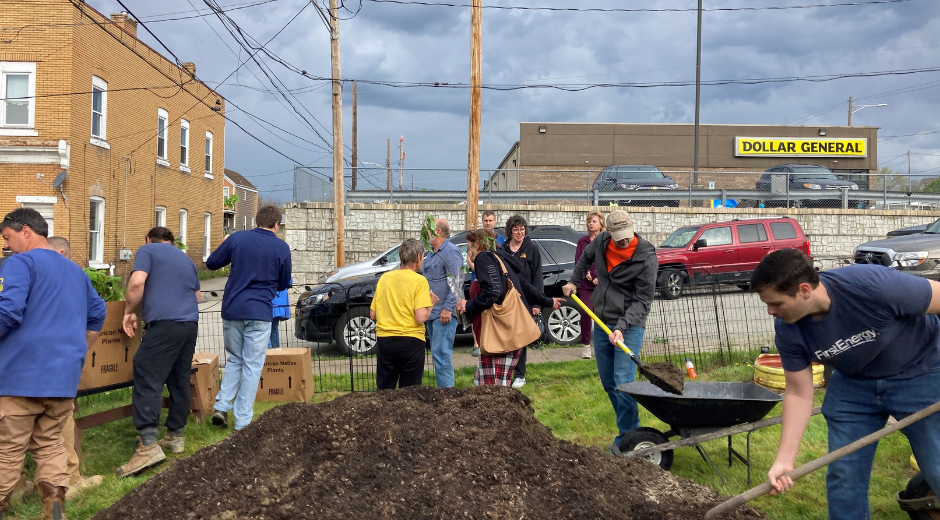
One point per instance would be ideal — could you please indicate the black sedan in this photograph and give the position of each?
(339, 311)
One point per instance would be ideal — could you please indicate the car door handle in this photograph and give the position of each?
(765, 247)
(729, 250)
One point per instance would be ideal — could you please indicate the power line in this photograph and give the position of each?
(638, 10)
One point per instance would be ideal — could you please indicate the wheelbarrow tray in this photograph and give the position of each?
(705, 405)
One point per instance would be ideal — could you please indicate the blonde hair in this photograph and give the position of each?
(600, 218)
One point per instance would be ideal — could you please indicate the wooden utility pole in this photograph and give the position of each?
(850, 111)
(355, 138)
(698, 91)
(339, 219)
(388, 164)
(476, 106)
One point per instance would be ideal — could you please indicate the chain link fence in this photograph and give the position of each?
(629, 186)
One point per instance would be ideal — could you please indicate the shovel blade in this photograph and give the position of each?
(665, 376)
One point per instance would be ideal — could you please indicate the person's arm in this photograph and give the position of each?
(97, 310)
(797, 410)
(15, 283)
(372, 314)
(135, 292)
(221, 257)
(934, 306)
(581, 267)
(422, 315)
(644, 290)
(283, 277)
(452, 264)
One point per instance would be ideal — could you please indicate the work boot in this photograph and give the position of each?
(173, 443)
(53, 501)
(220, 419)
(84, 483)
(144, 457)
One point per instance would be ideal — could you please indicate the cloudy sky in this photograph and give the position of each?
(392, 42)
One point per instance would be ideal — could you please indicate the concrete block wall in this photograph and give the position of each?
(373, 228)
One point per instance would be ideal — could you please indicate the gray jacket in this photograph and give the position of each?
(624, 295)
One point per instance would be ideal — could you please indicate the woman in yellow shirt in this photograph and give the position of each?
(402, 303)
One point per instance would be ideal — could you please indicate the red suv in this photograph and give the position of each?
(723, 252)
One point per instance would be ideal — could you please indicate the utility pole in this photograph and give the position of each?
(401, 164)
(339, 219)
(388, 164)
(850, 110)
(355, 139)
(698, 88)
(910, 183)
(476, 107)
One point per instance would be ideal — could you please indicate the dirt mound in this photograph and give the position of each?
(412, 453)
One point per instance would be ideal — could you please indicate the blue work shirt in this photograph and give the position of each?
(445, 262)
(46, 304)
(260, 267)
(875, 329)
(172, 282)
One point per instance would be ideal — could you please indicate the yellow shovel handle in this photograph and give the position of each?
(599, 322)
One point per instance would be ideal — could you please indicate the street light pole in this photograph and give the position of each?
(698, 88)
(855, 108)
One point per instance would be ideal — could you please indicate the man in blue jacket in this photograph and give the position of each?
(49, 315)
(260, 267)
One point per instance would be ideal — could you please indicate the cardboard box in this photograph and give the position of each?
(287, 375)
(207, 378)
(110, 359)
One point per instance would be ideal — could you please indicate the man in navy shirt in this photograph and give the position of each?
(49, 316)
(878, 329)
(165, 284)
(260, 268)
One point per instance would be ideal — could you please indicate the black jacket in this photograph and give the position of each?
(624, 295)
(530, 261)
(493, 284)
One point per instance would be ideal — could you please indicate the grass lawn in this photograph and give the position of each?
(568, 398)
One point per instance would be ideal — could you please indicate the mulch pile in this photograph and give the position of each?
(475, 453)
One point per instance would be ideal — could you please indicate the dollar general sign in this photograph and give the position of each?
(772, 147)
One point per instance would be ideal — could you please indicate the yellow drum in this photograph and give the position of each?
(769, 372)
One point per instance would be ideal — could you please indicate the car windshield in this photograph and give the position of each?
(814, 172)
(933, 228)
(681, 237)
(629, 175)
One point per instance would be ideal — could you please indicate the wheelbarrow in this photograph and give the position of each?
(704, 411)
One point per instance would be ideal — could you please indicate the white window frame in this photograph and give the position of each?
(162, 115)
(226, 191)
(160, 216)
(18, 67)
(206, 235)
(96, 243)
(209, 144)
(99, 85)
(183, 217)
(184, 146)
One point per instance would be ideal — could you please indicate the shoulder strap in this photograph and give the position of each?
(501, 265)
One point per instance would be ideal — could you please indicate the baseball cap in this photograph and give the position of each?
(620, 225)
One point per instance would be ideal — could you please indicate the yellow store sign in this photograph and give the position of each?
(788, 147)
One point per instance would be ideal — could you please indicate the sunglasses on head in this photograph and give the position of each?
(8, 218)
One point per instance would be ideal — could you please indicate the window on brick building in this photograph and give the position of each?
(96, 230)
(99, 107)
(184, 144)
(225, 192)
(208, 152)
(160, 217)
(18, 91)
(206, 234)
(182, 235)
(162, 118)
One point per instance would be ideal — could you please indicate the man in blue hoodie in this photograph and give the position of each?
(49, 315)
(260, 268)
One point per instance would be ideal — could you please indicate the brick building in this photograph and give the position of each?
(134, 139)
(242, 216)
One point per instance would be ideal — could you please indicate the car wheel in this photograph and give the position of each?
(642, 438)
(671, 283)
(564, 325)
(355, 333)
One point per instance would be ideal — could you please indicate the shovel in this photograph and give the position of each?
(664, 376)
(825, 460)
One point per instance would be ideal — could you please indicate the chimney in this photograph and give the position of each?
(126, 22)
(190, 67)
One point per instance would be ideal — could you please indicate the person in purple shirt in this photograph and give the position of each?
(595, 224)
(260, 268)
(49, 316)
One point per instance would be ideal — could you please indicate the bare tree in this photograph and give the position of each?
(264, 200)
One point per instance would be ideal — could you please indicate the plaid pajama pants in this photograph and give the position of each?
(496, 370)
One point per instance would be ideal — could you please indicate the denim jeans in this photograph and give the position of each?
(274, 340)
(442, 350)
(615, 367)
(854, 408)
(246, 344)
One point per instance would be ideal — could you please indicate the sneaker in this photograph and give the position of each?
(476, 352)
(144, 457)
(518, 383)
(84, 483)
(586, 352)
(220, 419)
(175, 444)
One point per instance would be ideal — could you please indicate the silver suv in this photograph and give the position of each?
(917, 254)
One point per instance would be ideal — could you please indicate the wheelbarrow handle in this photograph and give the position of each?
(825, 460)
(602, 325)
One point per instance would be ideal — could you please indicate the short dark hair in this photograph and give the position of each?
(160, 234)
(488, 213)
(25, 217)
(267, 216)
(784, 271)
(516, 221)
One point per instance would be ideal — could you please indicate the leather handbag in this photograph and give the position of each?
(508, 326)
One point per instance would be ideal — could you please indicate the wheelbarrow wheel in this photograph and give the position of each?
(642, 438)
(917, 488)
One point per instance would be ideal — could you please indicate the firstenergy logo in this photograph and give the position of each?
(842, 345)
